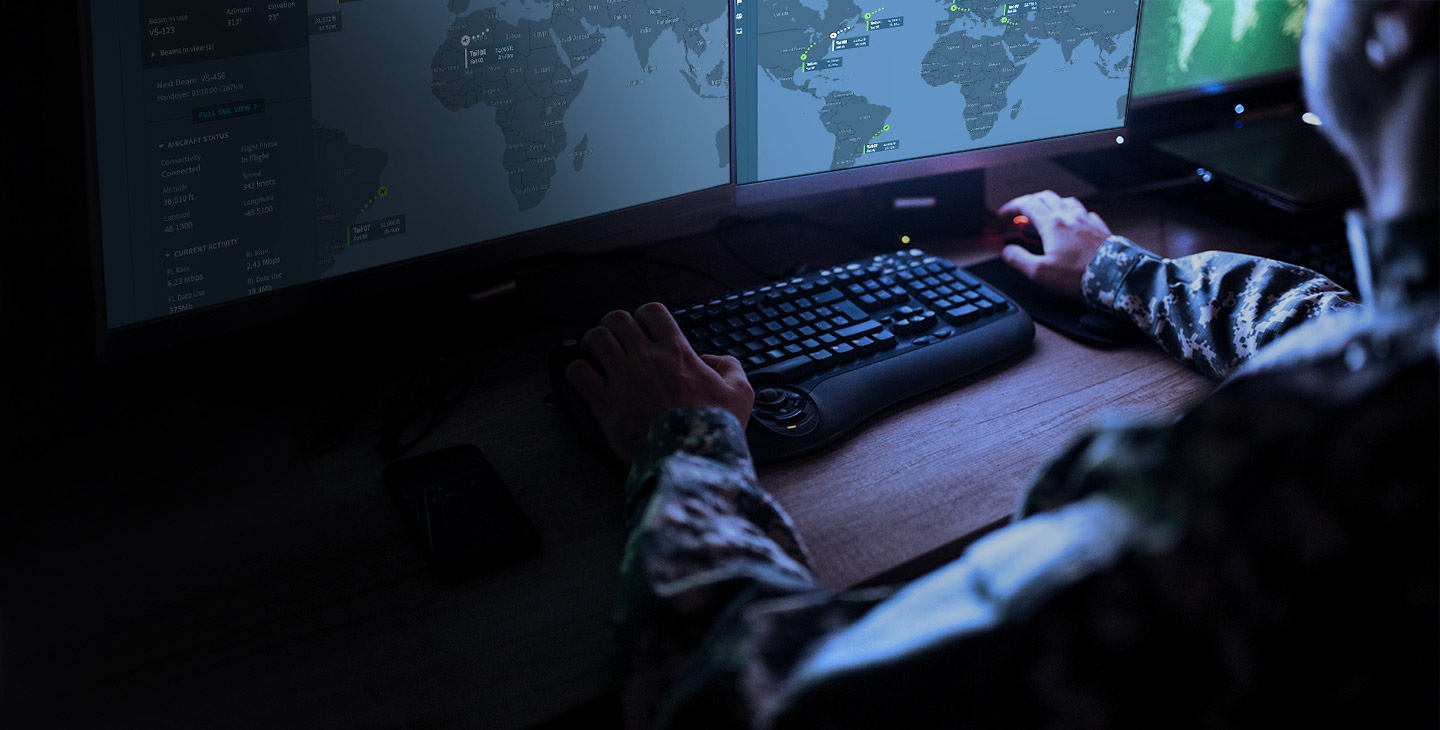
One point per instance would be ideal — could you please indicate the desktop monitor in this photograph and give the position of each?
(832, 95)
(254, 160)
(1193, 48)
(251, 161)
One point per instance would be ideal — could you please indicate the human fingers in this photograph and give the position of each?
(601, 342)
(1021, 260)
(1033, 205)
(627, 332)
(658, 323)
(728, 367)
(1099, 222)
(586, 381)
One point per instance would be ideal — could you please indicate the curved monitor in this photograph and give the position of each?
(831, 94)
(251, 160)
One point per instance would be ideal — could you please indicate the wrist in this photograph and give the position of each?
(707, 432)
(1104, 277)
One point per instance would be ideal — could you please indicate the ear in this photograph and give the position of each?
(1399, 31)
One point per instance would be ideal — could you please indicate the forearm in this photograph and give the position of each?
(1210, 310)
(703, 538)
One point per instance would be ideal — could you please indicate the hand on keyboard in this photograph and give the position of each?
(648, 368)
(822, 351)
(1071, 235)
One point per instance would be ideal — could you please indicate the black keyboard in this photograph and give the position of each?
(826, 350)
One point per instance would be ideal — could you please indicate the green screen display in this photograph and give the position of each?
(1189, 45)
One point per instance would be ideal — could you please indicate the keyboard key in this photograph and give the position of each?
(856, 330)
(883, 339)
(844, 352)
(787, 370)
(962, 314)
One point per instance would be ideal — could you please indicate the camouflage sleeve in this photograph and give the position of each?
(1210, 310)
(704, 538)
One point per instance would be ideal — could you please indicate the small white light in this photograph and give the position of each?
(1310, 118)
(1120, 139)
(1239, 108)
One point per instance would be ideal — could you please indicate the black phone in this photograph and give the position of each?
(460, 510)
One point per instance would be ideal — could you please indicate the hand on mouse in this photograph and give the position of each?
(649, 369)
(1071, 235)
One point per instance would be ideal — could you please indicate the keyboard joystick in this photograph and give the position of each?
(769, 398)
(785, 411)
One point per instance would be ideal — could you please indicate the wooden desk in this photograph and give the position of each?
(176, 557)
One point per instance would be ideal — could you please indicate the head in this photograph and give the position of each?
(1371, 74)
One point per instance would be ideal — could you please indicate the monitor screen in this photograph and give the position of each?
(1190, 47)
(826, 86)
(243, 148)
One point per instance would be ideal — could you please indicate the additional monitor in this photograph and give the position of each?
(1199, 47)
(245, 149)
(827, 92)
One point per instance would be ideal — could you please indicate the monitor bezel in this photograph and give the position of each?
(485, 262)
(1171, 112)
(830, 183)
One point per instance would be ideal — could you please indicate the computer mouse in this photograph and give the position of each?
(565, 399)
(1021, 231)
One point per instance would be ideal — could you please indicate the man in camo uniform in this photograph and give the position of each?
(1270, 557)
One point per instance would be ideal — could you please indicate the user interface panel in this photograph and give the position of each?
(827, 85)
(248, 146)
(1200, 45)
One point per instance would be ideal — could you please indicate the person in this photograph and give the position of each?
(1269, 557)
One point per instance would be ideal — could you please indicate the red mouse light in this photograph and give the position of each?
(1021, 220)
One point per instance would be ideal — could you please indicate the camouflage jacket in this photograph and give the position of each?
(1268, 557)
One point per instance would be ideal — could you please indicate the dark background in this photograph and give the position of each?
(45, 298)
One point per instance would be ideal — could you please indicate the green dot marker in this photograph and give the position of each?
(954, 7)
(384, 192)
(885, 128)
(802, 57)
(867, 16)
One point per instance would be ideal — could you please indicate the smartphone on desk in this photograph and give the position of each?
(460, 510)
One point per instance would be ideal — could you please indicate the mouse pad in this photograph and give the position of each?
(1070, 318)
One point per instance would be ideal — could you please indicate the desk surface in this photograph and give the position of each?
(183, 560)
